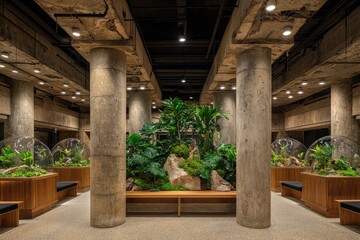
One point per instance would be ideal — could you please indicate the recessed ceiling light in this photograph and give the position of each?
(2, 66)
(76, 32)
(274, 97)
(129, 88)
(290, 96)
(37, 70)
(153, 102)
(322, 83)
(270, 5)
(77, 92)
(304, 83)
(222, 87)
(191, 97)
(83, 99)
(66, 85)
(233, 88)
(73, 97)
(5, 54)
(183, 80)
(300, 91)
(142, 87)
(15, 70)
(41, 82)
(63, 92)
(182, 39)
(287, 30)
(212, 103)
(287, 91)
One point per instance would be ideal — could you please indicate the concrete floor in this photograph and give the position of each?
(290, 220)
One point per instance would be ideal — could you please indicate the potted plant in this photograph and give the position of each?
(72, 162)
(335, 175)
(23, 177)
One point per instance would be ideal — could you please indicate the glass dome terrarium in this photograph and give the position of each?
(287, 152)
(24, 157)
(334, 155)
(71, 152)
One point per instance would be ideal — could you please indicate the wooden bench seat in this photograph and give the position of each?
(349, 211)
(292, 189)
(9, 213)
(66, 189)
(180, 195)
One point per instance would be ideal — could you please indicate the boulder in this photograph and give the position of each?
(129, 184)
(219, 184)
(194, 150)
(178, 176)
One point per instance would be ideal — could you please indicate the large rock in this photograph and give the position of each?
(194, 150)
(178, 176)
(219, 184)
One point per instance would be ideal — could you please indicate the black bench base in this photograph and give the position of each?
(66, 189)
(292, 189)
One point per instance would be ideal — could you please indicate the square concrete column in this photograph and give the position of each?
(139, 110)
(226, 101)
(108, 137)
(342, 122)
(253, 137)
(21, 120)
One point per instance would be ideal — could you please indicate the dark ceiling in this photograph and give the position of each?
(162, 22)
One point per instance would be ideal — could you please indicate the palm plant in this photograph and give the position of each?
(7, 157)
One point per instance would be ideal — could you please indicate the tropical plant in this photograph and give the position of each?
(33, 171)
(321, 155)
(277, 159)
(181, 150)
(72, 158)
(206, 124)
(7, 157)
(26, 157)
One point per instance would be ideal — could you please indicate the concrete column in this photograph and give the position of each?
(342, 121)
(84, 127)
(227, 102)
(108, 137)
(139, 110)
(21, 120)
(253, 137)
(282, 133)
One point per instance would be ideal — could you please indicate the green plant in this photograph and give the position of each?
(321, 155)
(181, 150)
(32, 171)
(72, 158)
(279, 158)
(26, 157)
(340, 163)
(192, 166)
(348, 172)
(7, 157)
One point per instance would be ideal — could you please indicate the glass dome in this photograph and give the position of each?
(333, 148)
(292, 147)
(23, 146)
(71, 151)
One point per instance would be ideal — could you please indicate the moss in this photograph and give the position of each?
(221, 172)
(32, 172)
(349, 172)
(83, 163)
(192, 166)
(181, 150)
(168, 187)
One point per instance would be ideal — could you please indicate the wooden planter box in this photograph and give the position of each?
(321, 192)
(75, 174)
(285, 174)
(38, 193)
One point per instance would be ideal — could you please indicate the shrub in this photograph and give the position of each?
(181, 150)
(7, 157)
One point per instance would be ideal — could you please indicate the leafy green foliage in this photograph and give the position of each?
(33, 171)
(181, 150)
(192, 166)
(279, 158)
(26, 157)
(72, 158)
(349, 172)
(7, 157)
(322, 155)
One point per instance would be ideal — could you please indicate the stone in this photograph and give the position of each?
(14, 169)
(178, 176)
(136, 188)
(129, 184)
(194, 150)
(220, 184)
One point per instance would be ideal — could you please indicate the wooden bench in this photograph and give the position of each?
(349, 211)
(292, 189)
(66, 189)
(9, 213)
(180, 195)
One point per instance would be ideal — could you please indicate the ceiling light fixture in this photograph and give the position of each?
(15, 70)
(290, 96)
(270, 5)
(287, 91)
(274, 97)
(222, 87)
(129, 88)
(5, 54)
(77, 92)
(212, 103)
(191, 97)
(182, 39)
(300, 91)
(37, 70)
(73, 97)
(83, 99)
(142, 87)
(66, 85)
(233, 88)
(183, 80)
(2, 66)
(41, 82)
(153, 102)
(287, 30)
(304, 83)
(154, 107)
(322, 83)
(76, 32)
(63, 92)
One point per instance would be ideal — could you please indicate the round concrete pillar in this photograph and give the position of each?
(108, 137)
(342, 121)
(227, 103)
(21, 120)
(139, 110)
(253, 137)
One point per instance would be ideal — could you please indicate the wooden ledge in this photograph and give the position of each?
(180, 194)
